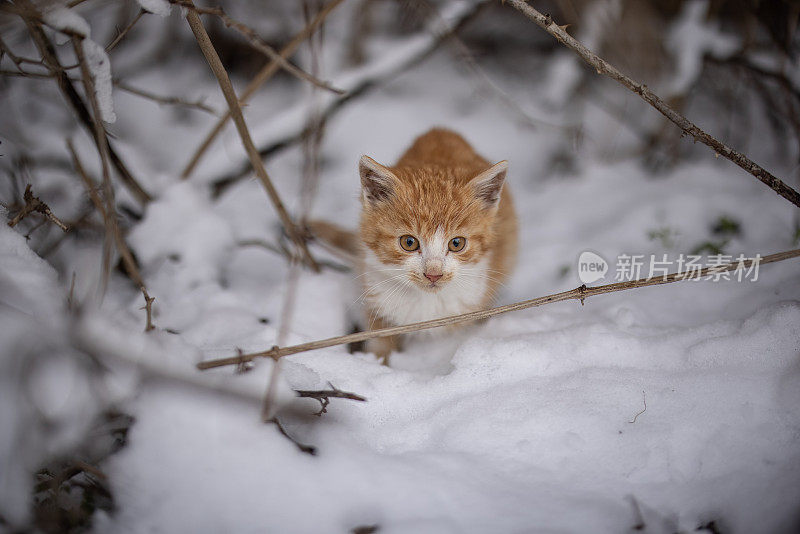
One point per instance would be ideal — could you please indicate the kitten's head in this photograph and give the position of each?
(433, 224)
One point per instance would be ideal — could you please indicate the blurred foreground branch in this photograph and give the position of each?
(221, 74)
(580, 293)
(606, 69)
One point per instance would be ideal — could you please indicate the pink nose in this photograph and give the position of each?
(433, 277)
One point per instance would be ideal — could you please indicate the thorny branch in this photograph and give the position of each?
(34, 204)
(606, 69)
(221, 74)
(580, 293)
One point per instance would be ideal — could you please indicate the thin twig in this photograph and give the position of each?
(308, 449)
(171, 100)
(113, 228)
(644, 401)
(259, 44)
(606, 69)
(287, 312)
(324, 396)
(580, 293)
(263, 75)
(214, 62)
(125, 31)
(34, 204)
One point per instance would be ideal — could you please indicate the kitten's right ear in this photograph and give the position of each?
(377, 182)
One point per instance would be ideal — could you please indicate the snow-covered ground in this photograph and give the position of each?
(530, 422)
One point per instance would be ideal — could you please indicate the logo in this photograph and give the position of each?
(591, 267)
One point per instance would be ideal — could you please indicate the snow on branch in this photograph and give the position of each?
(606, 69)
(579, 293)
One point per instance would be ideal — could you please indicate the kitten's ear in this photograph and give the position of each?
(488, 184)
(377, 182)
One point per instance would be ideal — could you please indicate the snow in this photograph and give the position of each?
(62, 18)
(690, 39)
(100, 68)
(157, 7)
(533, 421)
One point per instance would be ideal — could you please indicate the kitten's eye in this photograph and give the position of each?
(409, 243)
(457, 244)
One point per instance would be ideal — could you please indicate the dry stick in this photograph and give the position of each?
(259, 80)
(603, 67)
(236, 112)
(122, 246)
(287, 312)
(122, 86)
(309, 179)
(257, 43)
(170, 100)
(580, 293)
(50, 58)
(32, 204)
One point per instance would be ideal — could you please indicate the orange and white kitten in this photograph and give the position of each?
(438, 234)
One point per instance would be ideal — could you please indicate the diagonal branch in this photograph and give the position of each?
(580, 293)
(214, 62)
(259, 80)
(606, 69)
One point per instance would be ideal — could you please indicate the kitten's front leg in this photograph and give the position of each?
(382, 347)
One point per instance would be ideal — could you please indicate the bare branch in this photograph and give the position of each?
(324, 396)
(606, 69)
(171, 100)
(113, 231)
(34, 204)
(125, 31)
(580, 293)
(308, 449)
(259, 80)
(236, 112)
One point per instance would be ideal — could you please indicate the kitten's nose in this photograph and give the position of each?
(432, 277)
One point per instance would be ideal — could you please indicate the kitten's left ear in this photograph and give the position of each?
(488, 184)
(377, 182)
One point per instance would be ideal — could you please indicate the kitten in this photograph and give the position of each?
(438, 234)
